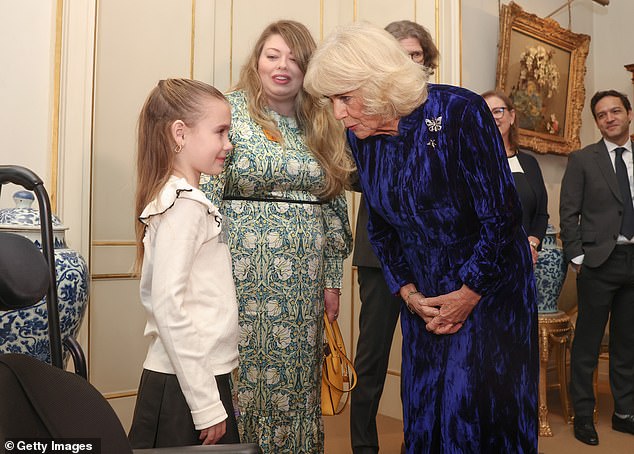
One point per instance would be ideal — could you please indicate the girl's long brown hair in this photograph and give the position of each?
(324, 135)
(170, 100)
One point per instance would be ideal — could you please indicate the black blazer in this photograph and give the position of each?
(363, 254)
(590, 205)
(539, 218)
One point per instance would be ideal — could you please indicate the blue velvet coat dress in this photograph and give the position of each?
(443, 212)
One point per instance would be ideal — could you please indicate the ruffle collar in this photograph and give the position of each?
(176, 187)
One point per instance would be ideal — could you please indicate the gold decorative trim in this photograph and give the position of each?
(437, 20)
(113, 277)
(321, 20)
(231, 46)
(59, 18)
(193, 41)
(460, 39)
(630, 68)
(114, 243)
(353, 277)
(120, 395)
(91, 155)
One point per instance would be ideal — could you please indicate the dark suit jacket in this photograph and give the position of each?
(539, 218)
(590, 205)
(363, 253)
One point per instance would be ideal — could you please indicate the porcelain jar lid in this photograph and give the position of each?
(23, 217)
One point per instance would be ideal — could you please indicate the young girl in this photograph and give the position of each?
(186, 283)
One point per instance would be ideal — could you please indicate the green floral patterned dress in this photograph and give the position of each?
(284, 254)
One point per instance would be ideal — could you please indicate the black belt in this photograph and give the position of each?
(272, 199)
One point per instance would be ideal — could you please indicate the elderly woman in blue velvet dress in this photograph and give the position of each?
(445, 221)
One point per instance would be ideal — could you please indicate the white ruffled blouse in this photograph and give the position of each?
(189, 297)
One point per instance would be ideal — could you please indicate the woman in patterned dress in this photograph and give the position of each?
(283, 193)
(445, 222)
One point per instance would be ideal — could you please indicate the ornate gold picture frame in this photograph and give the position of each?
(541, 67)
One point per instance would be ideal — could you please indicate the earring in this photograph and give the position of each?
(178, 148)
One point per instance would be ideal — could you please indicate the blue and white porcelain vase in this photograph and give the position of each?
(26, 330)
(550, 272)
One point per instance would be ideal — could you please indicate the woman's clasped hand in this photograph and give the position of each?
(444, 314)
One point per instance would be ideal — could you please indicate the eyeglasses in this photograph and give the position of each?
(416, 56)
(498, 112)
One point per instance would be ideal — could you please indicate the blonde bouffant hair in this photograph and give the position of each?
(323, 134)
(366, 57)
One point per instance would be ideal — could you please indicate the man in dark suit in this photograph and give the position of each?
(597, 231)
(377, 320)
(380, 308)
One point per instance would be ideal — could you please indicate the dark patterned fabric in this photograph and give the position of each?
(444, 212)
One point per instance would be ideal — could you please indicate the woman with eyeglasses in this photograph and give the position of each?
(526, 172)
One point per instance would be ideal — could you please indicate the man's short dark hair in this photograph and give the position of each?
(599, 95)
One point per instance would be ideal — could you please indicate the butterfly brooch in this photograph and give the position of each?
(435, 124)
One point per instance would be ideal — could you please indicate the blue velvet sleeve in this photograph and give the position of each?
(387, 246)
(484, 167)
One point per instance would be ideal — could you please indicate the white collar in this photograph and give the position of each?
(612, 146)
(176, 187)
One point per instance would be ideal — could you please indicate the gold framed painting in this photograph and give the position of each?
(541, 67)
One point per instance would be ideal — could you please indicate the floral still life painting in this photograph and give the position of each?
(538, 81)
(541, 67)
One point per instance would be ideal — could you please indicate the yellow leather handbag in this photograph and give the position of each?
(338, 374)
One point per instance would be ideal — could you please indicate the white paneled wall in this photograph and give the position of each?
(26, 89)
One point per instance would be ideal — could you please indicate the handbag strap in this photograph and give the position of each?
(338, 349)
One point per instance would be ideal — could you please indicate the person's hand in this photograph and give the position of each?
(417, 303)
(331, 303)
(534, 243)
(454, 308)
(576, 267)
(534, 254)
(211, 434)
